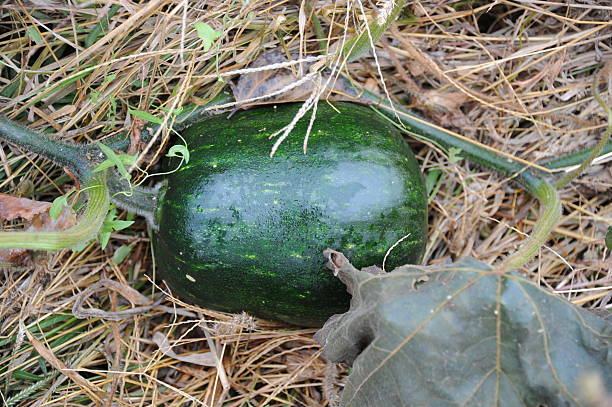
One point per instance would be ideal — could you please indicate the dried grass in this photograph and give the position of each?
(512, 74)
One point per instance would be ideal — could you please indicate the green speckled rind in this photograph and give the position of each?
(241, 231)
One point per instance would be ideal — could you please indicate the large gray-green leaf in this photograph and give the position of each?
(462, 335)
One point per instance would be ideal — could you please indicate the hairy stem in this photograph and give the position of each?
(136, 199)
(98, 202)
(67, 155)
(550, 213)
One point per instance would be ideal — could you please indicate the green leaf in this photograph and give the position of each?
(104, 238)
(432, 183)
(57, 206)
(121, 224)
(453, 155)
(12, 89)
(94, 97)
(111, 224)
(361, 43)
(609, 238)
(24, 375)
(207, 34)
(35, 36)
(110, 217)
(121, 254)
(108, 79)
(140, 84)
(112, 156)
(101, 27)
(179, 150)
(174, 112)
(107, 227)
(126, 159)
(145, 116)
(462, 334)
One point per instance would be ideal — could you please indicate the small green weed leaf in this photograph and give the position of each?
(111, 224)
(140, 84)
(110, 217)
(113, 104)
(145, 116)
(104, 165)
(104, 238)
(115, 159)
(462, 335)
(23, 375)
(109, 79)
(94, 97)
(453, 155)
(57, 206)
(207, 34)
(126, 159)
(174, 112)
(12, 89)
(107, 227)
(407, 18)
(432, 184)
(35, 36)
(101, 27)
(609, 238)
(121, 254)
(121, 224)
(179, 150)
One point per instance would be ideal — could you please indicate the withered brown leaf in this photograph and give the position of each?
(13, 207)
(38, 220)
(279, 85)
(444, 107)
(200, 358)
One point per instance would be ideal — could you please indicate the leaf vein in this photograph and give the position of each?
(546, 344)
(417, 330)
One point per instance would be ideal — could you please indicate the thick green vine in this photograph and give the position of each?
(98, 204)
(550, 213)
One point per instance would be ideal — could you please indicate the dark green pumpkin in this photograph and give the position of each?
(240, 231)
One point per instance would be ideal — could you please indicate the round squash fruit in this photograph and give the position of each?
(242, 231)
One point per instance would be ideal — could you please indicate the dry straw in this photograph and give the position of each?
(514, 75)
